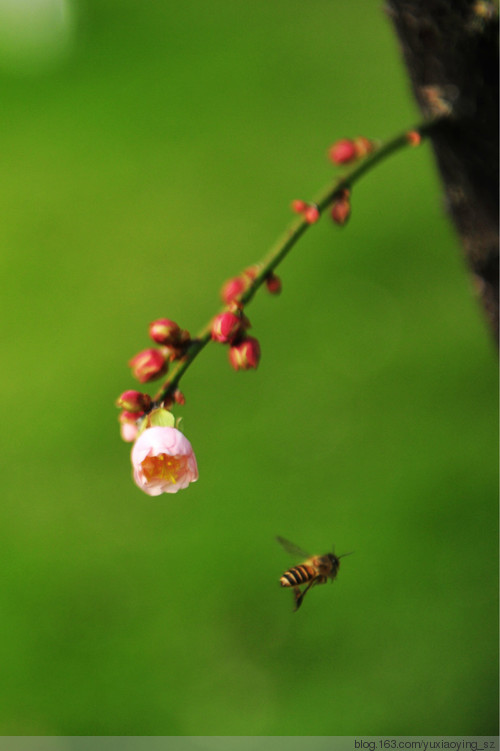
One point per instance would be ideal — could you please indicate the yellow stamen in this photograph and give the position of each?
(162, 467)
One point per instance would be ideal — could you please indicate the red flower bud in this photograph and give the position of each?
(273, 284)
(225, 327)
(311, 214)
(148, 365)
(309, 211)
(341, 209)
(232, 288)
(179, 397)
(245, 354)
(413, 137)
(298, 207)
(164, 331)
(238, 284)
(129, 416)
(134, 401)
(343, 151)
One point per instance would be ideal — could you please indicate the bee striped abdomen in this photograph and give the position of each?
(297, 575)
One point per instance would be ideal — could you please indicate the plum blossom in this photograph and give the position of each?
(163, 461)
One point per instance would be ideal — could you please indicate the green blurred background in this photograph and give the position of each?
(150, 151)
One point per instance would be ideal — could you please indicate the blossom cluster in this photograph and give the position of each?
(230, 327)
(149, 365)
(152, 363)
(344, 151)
(162, 458)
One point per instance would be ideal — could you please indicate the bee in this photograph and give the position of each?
(316, 569)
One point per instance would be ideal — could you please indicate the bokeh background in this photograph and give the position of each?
(149, 152)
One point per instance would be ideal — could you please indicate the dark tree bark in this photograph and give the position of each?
(451, 52)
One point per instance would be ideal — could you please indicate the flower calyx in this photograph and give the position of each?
(341, 207)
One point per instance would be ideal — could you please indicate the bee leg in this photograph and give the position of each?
(299, 596)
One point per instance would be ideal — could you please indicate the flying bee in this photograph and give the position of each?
(316, 569)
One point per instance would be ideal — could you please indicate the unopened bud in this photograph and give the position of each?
(148, 365)
(134, 401)
(232, 288)
(129, 431)
(414, 138)
(245, 354)
(126, 416)
(273, 284)
(164, 331)
(225, 327)
(129, 427)
(343, 151)
(298, 206)
(179, 397)
(311, 213)
(341, 210)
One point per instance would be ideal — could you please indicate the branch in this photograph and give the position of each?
(323, 200)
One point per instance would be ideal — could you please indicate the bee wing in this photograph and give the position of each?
(291, 548)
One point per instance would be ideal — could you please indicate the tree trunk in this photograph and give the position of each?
(451, 52)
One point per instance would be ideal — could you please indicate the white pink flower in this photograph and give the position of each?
(163, 461)
(128, 431)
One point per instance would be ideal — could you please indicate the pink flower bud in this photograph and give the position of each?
(134, 401)
(129, 425)
(232, 288)
(129, 431)
(225, 327)
(341, 210)
(298, 206)
(311, 214)
(245, 354)
(148, 365)
(273, 284)
(163, 461)
(343, 151)
(164, 331)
